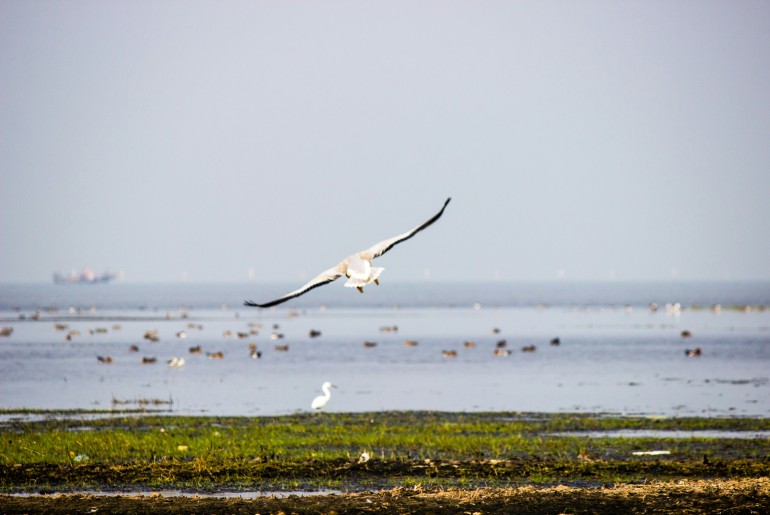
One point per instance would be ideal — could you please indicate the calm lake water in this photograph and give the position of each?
(615, 354)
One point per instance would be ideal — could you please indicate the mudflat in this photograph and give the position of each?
(684, 496)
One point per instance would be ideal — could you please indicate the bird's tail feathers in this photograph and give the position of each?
(358, 282)
(354, 282)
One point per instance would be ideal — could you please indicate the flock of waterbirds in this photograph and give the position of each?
(498, 345)
(153, 336)
(319, 402)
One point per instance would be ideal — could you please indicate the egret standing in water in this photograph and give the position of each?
(320, 401)
(356, 267)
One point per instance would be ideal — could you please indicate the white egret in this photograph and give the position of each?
(320, 401)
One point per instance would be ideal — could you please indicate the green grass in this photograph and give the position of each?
(322, 451)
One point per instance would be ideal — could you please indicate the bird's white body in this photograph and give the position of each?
(320, 401)
(356, 267)
(176, 362)
(359, 270)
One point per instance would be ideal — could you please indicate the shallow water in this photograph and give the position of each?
(611, 359)
(669, 434)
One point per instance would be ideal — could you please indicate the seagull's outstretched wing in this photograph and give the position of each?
(382, 247)
(321, 279)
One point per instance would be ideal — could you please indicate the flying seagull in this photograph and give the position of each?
(357, 267)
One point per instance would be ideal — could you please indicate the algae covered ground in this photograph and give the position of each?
(391, 462)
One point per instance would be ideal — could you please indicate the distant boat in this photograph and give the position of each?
(85, 276)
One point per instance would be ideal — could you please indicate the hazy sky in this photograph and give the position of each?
(589, 140)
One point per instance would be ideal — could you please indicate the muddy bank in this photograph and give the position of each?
(694, 497)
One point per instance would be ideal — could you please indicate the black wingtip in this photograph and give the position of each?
(253, 304)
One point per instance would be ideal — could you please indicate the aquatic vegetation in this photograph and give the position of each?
(312, 451)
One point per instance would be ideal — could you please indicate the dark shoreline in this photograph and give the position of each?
(743, 496)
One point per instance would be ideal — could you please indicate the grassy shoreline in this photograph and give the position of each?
(497, 454)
